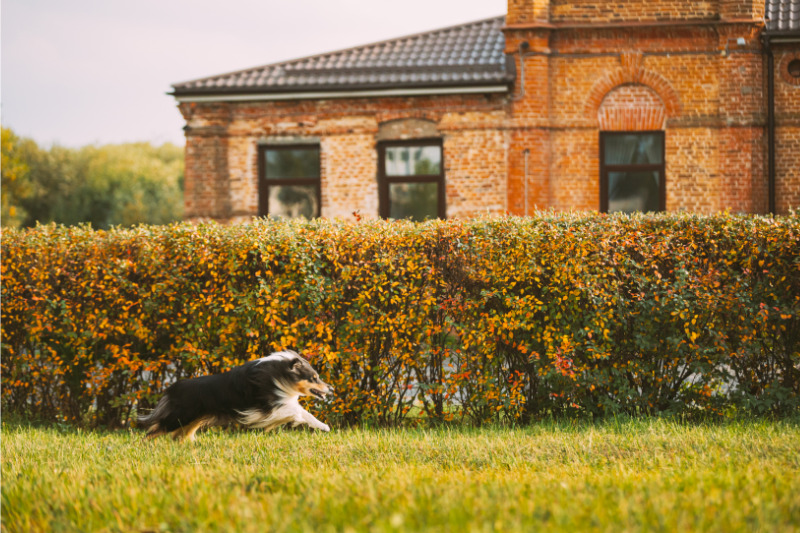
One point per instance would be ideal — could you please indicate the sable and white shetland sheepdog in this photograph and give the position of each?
(261, 393)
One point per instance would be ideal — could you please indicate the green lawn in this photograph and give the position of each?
(639, 475)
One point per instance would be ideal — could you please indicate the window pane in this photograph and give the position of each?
(630, 192)
(293, 201)
(415, 201)
(633, 149)
(413, 160)
(292, 163)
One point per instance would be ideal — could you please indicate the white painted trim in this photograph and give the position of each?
(321, 95)
(784, 40)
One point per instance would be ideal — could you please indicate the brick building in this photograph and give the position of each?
(635, 105)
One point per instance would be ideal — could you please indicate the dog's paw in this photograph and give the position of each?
(325, 427)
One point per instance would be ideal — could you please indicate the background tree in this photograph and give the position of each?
(110, 185)
(15, 185)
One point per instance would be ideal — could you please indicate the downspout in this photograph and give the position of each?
(770, 125)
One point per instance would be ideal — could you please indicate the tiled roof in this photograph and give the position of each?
(782, 15)
(465, 55)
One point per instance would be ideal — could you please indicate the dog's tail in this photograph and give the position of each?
(152, 421)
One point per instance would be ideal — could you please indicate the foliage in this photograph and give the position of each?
(14, 186)
(104, 186)
(627, 475)
(499, 319)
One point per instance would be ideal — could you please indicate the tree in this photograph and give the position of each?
(110, 185)
(15, 184)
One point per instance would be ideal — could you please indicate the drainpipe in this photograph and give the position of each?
(770, 125)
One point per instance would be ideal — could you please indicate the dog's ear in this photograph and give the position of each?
(296, 365)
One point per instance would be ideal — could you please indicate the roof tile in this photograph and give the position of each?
(782, 15)
(463, 55)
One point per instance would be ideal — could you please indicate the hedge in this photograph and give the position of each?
(495, 319)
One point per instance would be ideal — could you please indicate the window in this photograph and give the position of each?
(289, 180)
(632, 172)
(411, 179)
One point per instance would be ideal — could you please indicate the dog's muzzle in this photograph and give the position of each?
(321, 394)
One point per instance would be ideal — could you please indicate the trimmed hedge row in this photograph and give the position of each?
(481, 320)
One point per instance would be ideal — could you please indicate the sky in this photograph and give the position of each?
(82, 72)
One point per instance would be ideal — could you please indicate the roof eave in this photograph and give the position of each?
(792, 35)
(328, 92)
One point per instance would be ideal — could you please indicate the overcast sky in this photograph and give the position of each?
(77, 72)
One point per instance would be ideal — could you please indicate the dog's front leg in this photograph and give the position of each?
(307, 418)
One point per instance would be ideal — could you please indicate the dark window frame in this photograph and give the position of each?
(384, 206)
(264, 182)
(606, 168)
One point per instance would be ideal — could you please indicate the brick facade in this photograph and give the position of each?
(222, 141)
(787, 134)
(694, 70)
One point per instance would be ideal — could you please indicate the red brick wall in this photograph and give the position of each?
(206, 181)
(586, 11)
(533, 178)
(620, 66)
(527, 11)
(787, 130)
(575, 169)
(627, 11)
(743, 186)
(692, 161)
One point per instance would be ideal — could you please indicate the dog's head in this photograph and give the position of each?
(306, 379)
(295, 376)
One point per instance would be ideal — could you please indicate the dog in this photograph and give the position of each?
(262, 393)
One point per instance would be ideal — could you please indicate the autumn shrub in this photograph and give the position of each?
(507, 319)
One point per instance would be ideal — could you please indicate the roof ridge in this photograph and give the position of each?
(339, 51)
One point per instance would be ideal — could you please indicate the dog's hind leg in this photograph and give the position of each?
(188, 431)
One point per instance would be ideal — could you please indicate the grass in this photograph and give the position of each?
(634, 475)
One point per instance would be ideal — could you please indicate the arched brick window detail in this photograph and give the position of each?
(632, 107)
(632, 118)
(632, 73)
(407, 128)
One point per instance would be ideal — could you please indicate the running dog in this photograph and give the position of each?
(262, 393)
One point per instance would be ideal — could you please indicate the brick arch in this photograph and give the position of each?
(631, 107)
(633, 76)
(408, 127)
